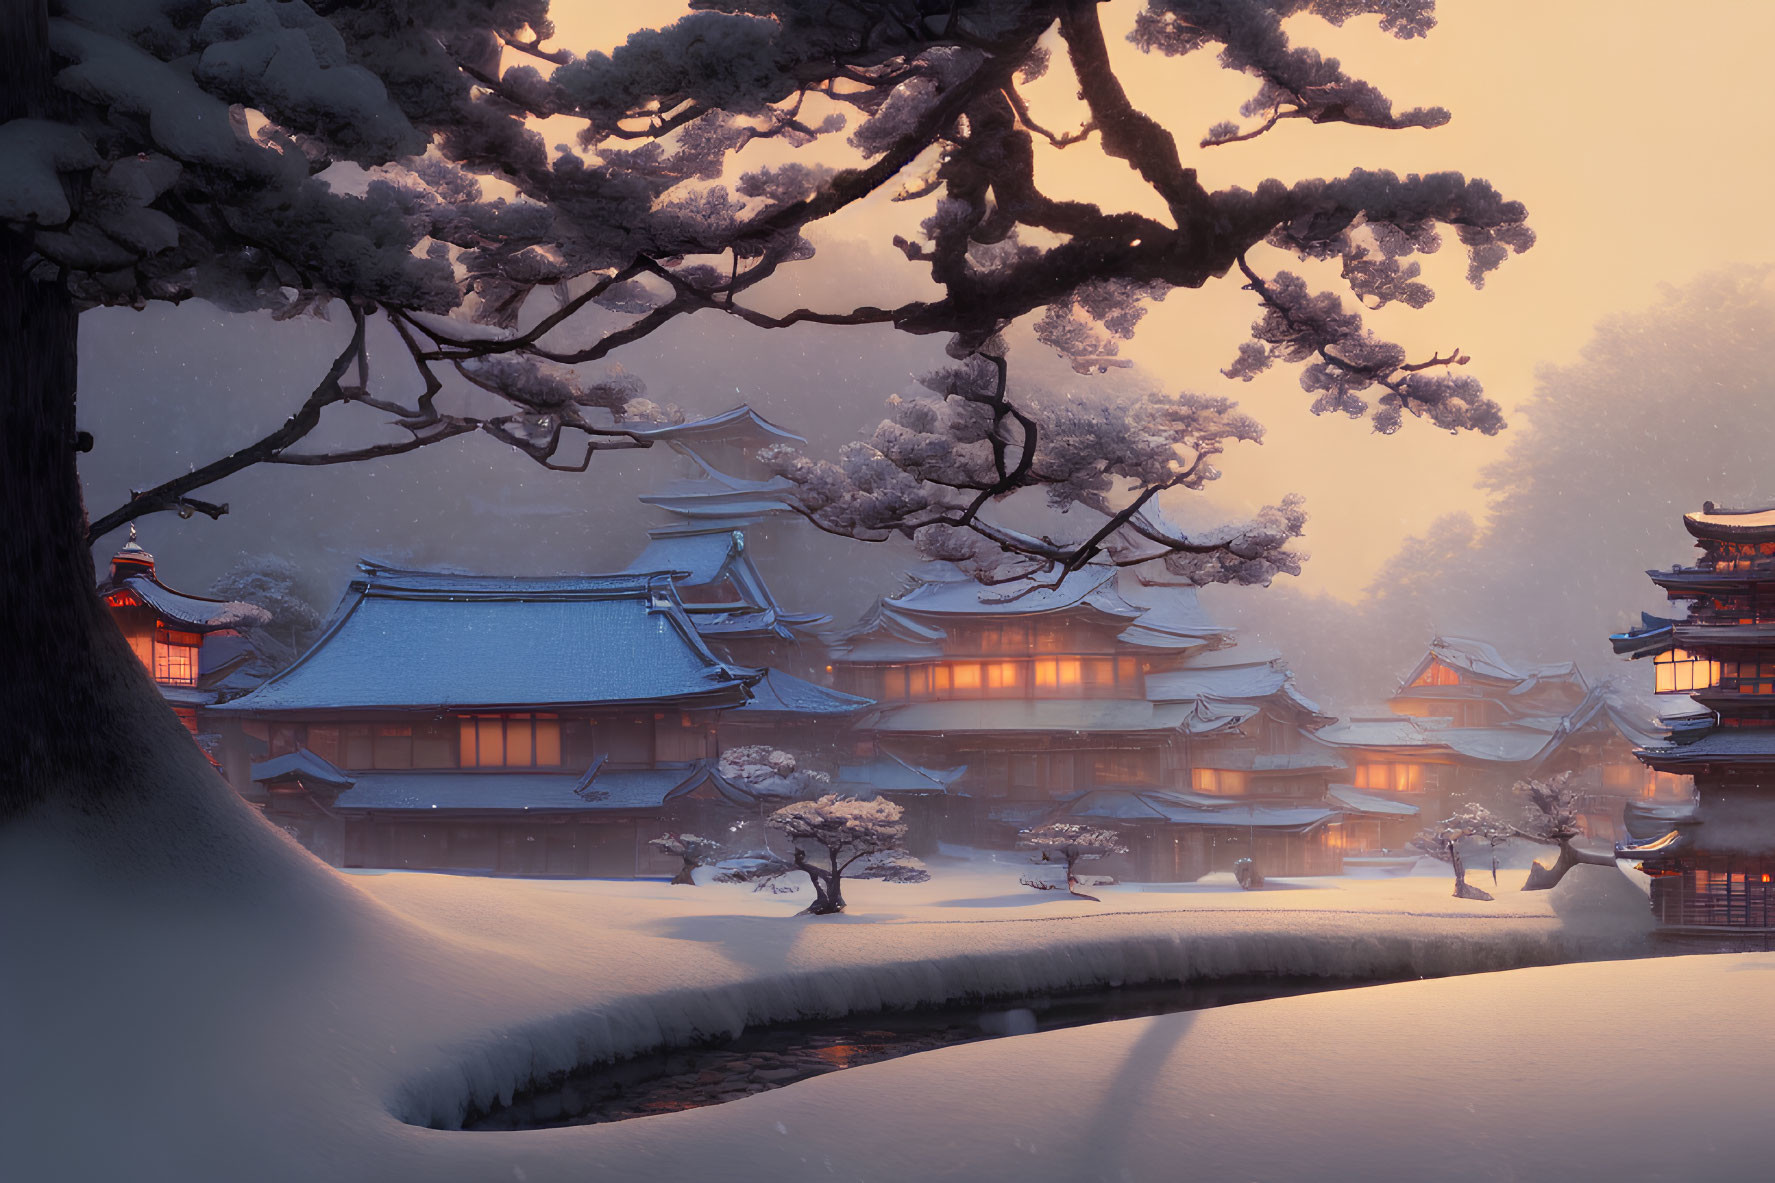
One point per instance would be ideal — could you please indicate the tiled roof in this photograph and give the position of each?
(188, 612)
(416, 639)
(888, 773)
(1159, 805)
(778, 693)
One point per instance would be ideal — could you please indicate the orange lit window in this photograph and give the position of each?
(1219, 781)
(1678, 672)
(966, 675)
(1396, 778)
(1002, 675)
(510, 741)
(1438, 674)
(175, 657)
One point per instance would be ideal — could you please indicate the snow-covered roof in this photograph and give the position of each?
(1176, 809)
(888, 773)
(719, 495)
(181, 610)
(1256, 680)
(740, 422)
(778, 693)
(1356, 801)
(961, 596)
(1390, 731)
(706, 558)
(427, 639)
(1482, 659)
(1746, 745)
(1026, 714)
(696, 558)
(1717, 522)
(604, 790)
(300, 764)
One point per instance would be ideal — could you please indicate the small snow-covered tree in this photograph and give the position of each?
(695, 851)
(1553, 816)
(861, 839)
(1069, 843)
(277, 585)
(771, 772)
(1443, 841)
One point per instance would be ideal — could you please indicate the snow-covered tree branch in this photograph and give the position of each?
(834, 837)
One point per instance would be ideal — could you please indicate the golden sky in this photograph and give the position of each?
(1636, 134)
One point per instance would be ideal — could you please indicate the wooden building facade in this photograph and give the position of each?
(504, 725)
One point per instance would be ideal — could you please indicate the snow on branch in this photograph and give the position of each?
(936, 468)
(292, 158)
(835, 837)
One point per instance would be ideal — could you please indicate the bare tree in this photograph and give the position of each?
(1553, 816)
(861, 839)
(693, 850)
(1069, 843)
(385, 169)
(1443, 841)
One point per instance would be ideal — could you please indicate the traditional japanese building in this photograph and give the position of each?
(707, 549)
(1101, 697)
(192, 646)
(1467, 725)
(1712, 862)
(527, 726)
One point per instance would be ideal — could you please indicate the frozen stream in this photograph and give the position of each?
(780, 1054)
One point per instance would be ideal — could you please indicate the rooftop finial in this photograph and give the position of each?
(132, 531)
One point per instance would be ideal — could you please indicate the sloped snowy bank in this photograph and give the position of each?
(283, 1029)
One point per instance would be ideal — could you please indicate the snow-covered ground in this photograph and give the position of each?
(156, 1033)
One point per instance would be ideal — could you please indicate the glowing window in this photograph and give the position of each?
(966, 675)
(175, 657)
(1678, 672)
(1438, 674)
(1396, 778)
(510, 741)
(1219, 781)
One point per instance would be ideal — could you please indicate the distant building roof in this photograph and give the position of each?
(181, 610)
(717, 559)
(1176, 809)
(888, 773)
(961, 595)
(429, 639)
(1482, 659)
(738, 423)
(1356, 801)
(1738, 525)
(1030, 714)
(778, 693)
(302, 765)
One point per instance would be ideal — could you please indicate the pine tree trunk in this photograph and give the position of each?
(1543, 878)
(94, 766)
(1463, 889)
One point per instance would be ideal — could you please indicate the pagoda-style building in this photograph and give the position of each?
(192, 646)
(1712, 864)
(707, 548)
(1101, 697)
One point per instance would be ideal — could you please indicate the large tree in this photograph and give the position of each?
(382, 161)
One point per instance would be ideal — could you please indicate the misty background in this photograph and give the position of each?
(1665, 408)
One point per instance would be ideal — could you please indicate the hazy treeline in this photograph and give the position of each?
(1667, 408)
